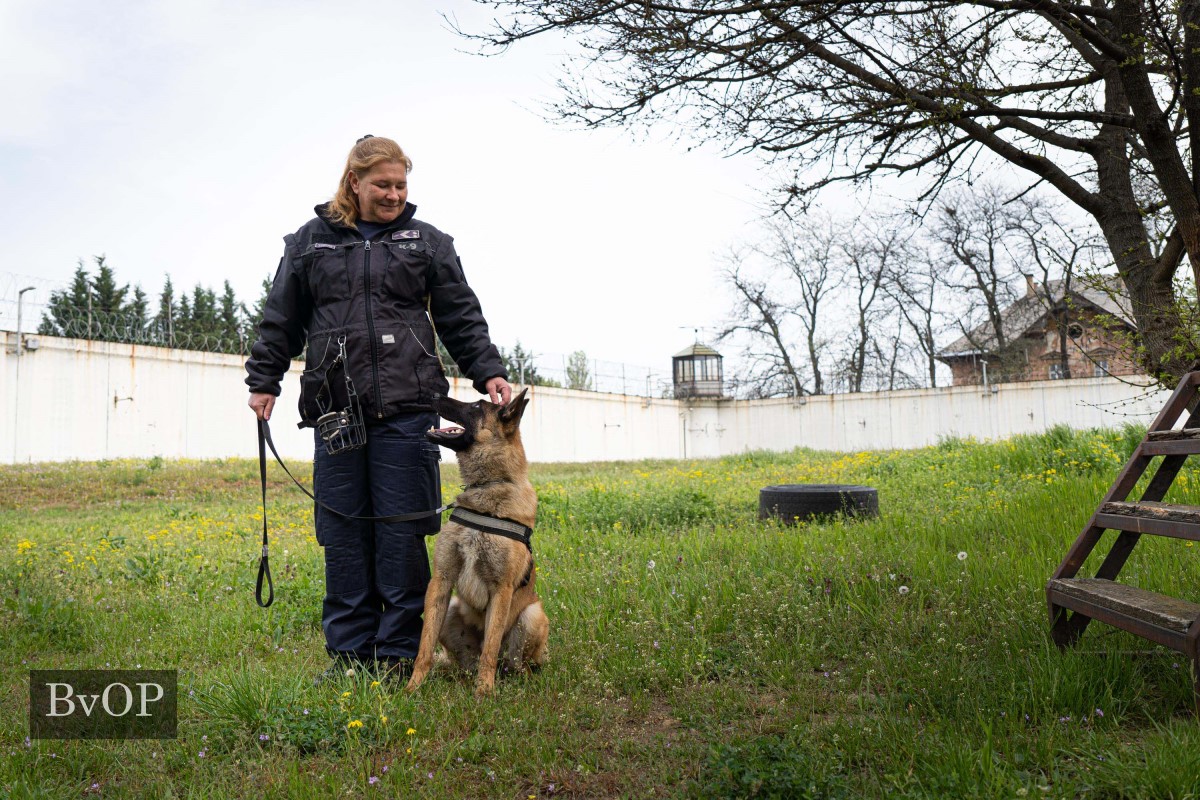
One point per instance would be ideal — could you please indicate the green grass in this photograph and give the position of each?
(695, 652)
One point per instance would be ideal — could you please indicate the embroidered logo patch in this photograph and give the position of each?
(389, 338)
(406, 235)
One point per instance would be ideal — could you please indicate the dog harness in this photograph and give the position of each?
(499, 526)
(508, 528)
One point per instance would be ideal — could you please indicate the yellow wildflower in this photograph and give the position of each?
(411, 731)
(355, 723)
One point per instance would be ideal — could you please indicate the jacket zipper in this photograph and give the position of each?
(371, 329)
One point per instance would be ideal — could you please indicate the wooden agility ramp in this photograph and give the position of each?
(1075, 601)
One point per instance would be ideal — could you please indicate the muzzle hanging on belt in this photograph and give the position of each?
(343, 429)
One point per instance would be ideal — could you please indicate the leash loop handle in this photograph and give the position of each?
(264, 564)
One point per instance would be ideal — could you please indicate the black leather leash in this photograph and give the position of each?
(264, 564)
(499, 526)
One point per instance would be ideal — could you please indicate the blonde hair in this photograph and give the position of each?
(365, 155)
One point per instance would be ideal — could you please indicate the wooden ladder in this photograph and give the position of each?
(1171, 622)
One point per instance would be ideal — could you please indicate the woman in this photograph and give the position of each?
(358, 285)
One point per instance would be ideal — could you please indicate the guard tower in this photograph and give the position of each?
(697, 372)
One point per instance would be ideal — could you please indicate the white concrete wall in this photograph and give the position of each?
(91, 400)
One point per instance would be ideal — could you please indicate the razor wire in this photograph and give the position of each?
(550, 369)
(107, 326)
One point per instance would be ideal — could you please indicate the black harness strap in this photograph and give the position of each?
(507, 528)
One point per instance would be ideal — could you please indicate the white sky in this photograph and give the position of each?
(188, 137)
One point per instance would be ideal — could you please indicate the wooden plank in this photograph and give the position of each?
(1170, 436)
(1154, 527)
(1137, 604)
(1149, 509)
(1171, 447)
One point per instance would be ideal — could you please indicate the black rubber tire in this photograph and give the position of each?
(803, 501)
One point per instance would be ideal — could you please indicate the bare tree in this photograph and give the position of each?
(971, 230)
(871, 250)
(761, 319)
(784, 321)
(913, 285)
(807, 251)
(1099, 100)
(1060, 252)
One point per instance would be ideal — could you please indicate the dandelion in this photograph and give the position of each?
(650, 564)
(903, 590)
(383, 719)
(410, 731)
(350, 674)
(962, 555)
(374, 684)
(355, 723)
(345, 694)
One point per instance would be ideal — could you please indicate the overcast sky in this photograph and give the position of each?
(186, 138)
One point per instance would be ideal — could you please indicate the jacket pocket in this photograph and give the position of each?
(407, 270)
(328, 272)
(408, 363)
(322, 386)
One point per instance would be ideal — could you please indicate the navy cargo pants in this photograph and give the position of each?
(376, 573)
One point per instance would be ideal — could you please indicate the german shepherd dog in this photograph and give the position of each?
(495, 618)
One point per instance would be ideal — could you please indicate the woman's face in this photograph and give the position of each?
(382, 192)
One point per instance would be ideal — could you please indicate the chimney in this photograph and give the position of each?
(1030, 286)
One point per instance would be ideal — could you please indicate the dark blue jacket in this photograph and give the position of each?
(385, 296)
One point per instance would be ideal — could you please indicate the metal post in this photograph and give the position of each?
(17, 379)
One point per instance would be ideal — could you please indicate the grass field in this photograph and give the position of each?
(694, 650)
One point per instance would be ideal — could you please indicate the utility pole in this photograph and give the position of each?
(17, 380)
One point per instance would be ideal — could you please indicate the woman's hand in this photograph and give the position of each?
(498, 390)
(262, 404)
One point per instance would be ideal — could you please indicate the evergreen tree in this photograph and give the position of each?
(167, 314)
(108, 297)
(135, 314)
(67, 312)
(519, 363)
(232, 316)
(451, 368)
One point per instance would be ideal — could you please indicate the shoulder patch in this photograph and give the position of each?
(409, 234)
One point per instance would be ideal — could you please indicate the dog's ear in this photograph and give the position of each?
(511, 414)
